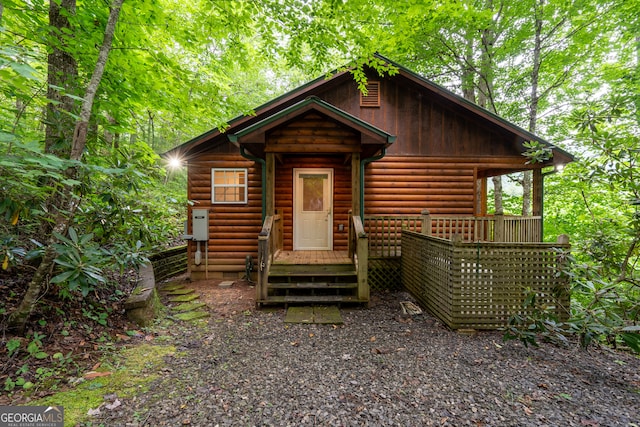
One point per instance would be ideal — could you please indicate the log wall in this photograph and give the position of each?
(406, 185)
(233, 228)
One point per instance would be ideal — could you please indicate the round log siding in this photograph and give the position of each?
(233, 228)
(402, 185)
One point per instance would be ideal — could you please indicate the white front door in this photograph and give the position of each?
(313, 209)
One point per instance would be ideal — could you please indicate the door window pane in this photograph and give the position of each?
(313, 192)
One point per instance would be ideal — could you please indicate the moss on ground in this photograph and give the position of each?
(134, 368)
(184, 298)
(191, 315)
(188, 306)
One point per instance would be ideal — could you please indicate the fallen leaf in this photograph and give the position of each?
(148, 338)
(90, 375)
(589, 423)
(295, 343)
(96, 366)
(543, 385)
(311, 335)
(527, 410)
(93, 412)
(372, 339)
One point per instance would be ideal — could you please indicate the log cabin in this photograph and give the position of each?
(309, 195)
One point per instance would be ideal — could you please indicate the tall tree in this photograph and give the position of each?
(62, 80)
(18, 318)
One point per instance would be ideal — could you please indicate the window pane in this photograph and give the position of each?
(229, 185)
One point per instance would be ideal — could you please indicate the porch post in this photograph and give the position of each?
(498, 231)
(537, 192)
(538, 199)
(483, 197)
(426, 222)
(270, 185)
(355, 184)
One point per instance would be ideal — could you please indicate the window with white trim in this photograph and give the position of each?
(228, 186)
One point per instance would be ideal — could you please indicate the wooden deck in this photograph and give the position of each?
(312, 258)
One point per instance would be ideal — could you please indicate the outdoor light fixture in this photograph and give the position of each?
(175, 163)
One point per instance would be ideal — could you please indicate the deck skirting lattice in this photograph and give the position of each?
(384, 274)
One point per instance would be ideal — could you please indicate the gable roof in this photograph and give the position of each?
(241, 125)
(255, 133)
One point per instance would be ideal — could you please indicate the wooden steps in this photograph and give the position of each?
(313, 285)
(312, 278)
(307, 299)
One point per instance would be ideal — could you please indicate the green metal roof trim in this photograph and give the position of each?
(322, 105)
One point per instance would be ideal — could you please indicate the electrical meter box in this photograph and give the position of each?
(200, 224)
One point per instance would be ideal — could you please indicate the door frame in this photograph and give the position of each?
(295, 205)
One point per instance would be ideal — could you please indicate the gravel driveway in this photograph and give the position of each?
(379, 368)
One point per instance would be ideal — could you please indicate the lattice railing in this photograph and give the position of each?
(479, 285)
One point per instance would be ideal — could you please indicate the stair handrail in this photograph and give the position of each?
(359, 254)
(269, 244)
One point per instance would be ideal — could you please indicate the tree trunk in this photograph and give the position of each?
(534, 101)
(18, 319)
(80, 132)
(468, 74)
(62, 78)
(485, 92)
(62, 72)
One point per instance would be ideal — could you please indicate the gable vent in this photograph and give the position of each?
(372, 98)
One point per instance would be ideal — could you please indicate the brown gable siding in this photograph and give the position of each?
(424, 125)
(313, 133)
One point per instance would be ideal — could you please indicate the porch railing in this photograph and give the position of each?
(385, 231)
(269, 244)
(359, 253)
(496, 228)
